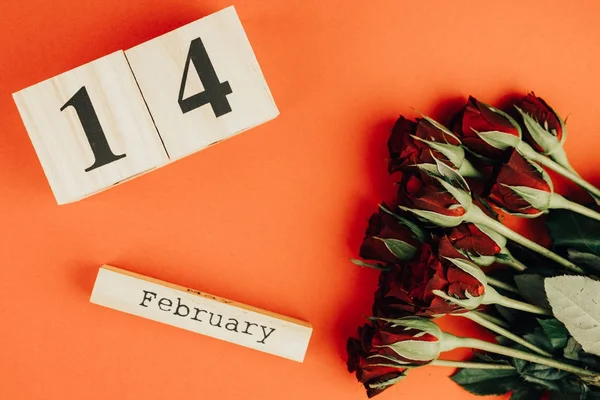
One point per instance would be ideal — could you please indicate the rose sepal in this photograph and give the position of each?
(546, 140)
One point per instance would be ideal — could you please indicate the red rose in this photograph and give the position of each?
(383, 350)
(548, 131)
(522, 187)
(473, 241)
(374, 376)
(429, 199)
(407, 151)
(388, 240)
(476, 120)
(408, 289)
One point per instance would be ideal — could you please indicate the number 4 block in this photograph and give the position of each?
(202, 83)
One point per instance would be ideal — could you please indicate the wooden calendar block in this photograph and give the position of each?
(201, 313)
(202, 83)
(90, 128)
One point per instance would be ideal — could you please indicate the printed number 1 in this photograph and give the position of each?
(215, 92)
(93, 130)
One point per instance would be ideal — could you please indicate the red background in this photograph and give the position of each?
(271, 217)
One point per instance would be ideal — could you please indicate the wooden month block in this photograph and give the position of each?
(202, 83)
(90, 128)
(201, 313)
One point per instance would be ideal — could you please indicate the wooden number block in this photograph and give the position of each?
(201, 313)
(202, 83)
(90, 128)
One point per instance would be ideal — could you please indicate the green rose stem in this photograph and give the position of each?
(477, 318)
(558, 201)
(501, 285)
(492, 297)
(492, 319)
(477, 216)
(465, 364)
(533, 155)
(510, 260)
(450, 342)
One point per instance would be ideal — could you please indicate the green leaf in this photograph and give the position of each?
(574, 231)
(526, 393)
(531, 287)
(544, 372)
(539, 338)
(542, 382)
(575, 301)
(484, 382)
(398, 248)
(555, 332)
(572, 349)
(574, 389)
(361, 263)
(588, 260)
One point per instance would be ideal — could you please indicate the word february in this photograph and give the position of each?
(216, 320)
(200, 312)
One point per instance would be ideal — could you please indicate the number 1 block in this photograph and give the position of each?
(202, 83)
(90, 128)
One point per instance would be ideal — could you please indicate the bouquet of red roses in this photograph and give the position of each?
(437, 246)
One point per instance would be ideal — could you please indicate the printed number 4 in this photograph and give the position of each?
(215, 92)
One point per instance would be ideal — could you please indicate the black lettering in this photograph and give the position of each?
(248, 325)
(218, 323)
(265, 334)
(93, 130)
(234, 324)
(160, 304)
(198, 311)
(215, 93)
(146, 297)
(179, 305)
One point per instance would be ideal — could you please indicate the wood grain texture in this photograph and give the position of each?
(159, 66)
(59, 138)
(201, 313)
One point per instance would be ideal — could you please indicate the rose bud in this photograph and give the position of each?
(412, 144)
(392, 340)
(443, 200)
(408, 289)
(486, 130)
(375, 373)
(428, 341)
(542, 123)
(482, 245)
(474, 242)
(389, 240)
(488, 294)
(545, 134)
(544, 130)
(523, 188)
